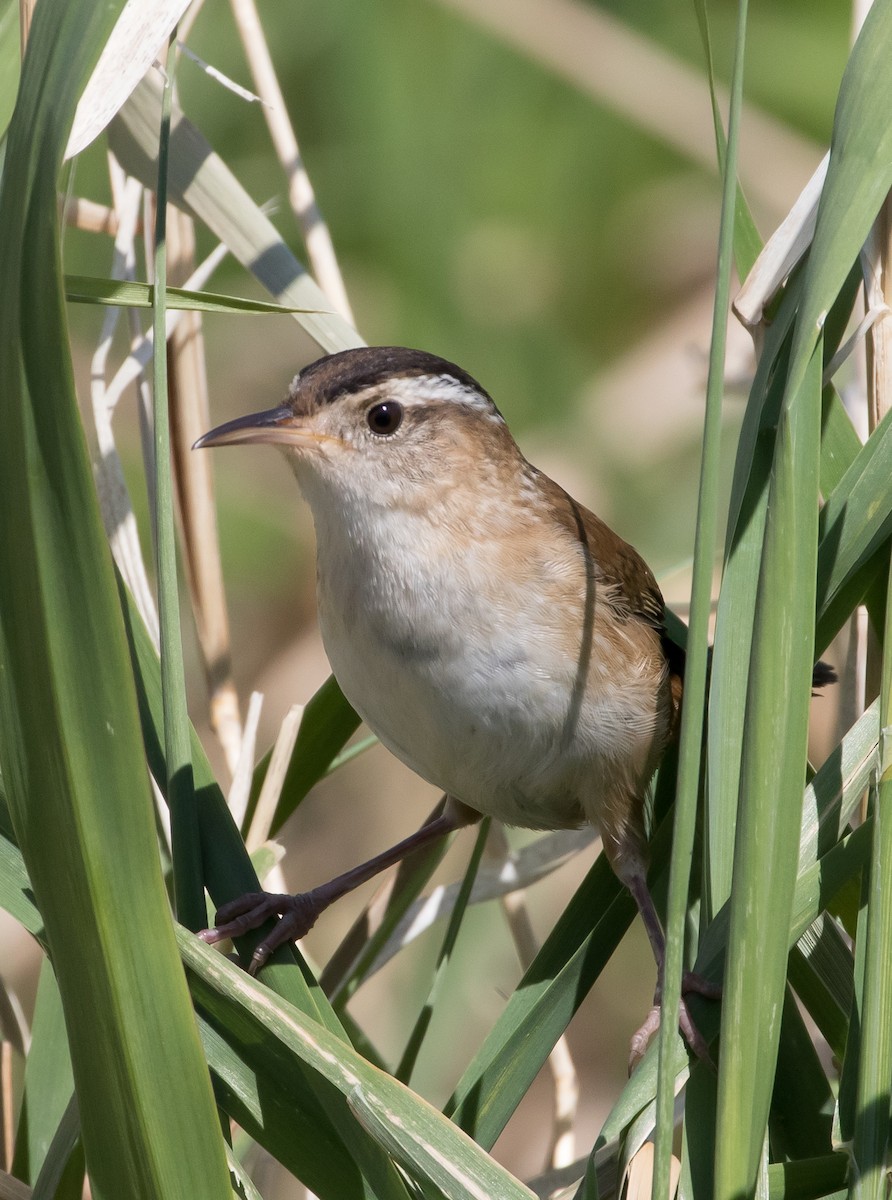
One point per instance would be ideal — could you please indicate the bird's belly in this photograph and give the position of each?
(488, 728)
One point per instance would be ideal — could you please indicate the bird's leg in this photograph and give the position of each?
(627, 857)
(298, 913)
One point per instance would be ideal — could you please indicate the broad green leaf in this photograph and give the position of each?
(855, 521)
(71, 754)
(229, 873)
(270, 1105)
(428, 1146)
(821, 968)
(62, 1173)
(802, 1102)
(809, 1179)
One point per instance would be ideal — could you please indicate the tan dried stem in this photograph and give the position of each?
(193, 476)
(268, 799)
(26, 12)
(562, 1146)
(877, 263)
(114, 498)
(320, 249)
(240, 790)
(640, 1175)
(878, 286)
(877, 266)
(7, 1104)
(13, 1189)
(90, 217)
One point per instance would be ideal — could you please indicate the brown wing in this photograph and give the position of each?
(631, 588)
(629, 584)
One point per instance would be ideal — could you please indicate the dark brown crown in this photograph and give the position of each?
(351, 371)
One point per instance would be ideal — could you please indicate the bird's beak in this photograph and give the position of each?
(278, 425)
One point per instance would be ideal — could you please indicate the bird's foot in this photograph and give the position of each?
(297, 915)
(691, 982)
(700, 986)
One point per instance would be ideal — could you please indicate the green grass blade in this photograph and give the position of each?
(773, 766)
(694, 707)
(773, 761)
(456, 918)
(62, 1174)
(854, 523)
(821, 973)
(71, 754)
(809, 1179)
(871, 1140)
(48, 1084)
(802, 1102)
(571, 958)
(747, 243)
(265, 1103)
(227, 864)
(16, 893)
(737, 601)
(88, 289)
(229, 873)
(428, 1146)
(186, 848)
(358, 952)
(840, 443)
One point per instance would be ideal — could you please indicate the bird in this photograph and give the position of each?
(497, 636)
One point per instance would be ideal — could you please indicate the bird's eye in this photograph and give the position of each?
(385, 418)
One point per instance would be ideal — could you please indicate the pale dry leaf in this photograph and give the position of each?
(641, 1173)
(12, 1188)
(782, 251)
(137, 39)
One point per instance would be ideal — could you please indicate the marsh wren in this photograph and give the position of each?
(497, 637)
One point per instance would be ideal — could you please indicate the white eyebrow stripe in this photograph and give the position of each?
(417, 391)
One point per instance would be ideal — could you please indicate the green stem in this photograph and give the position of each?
(417, 1036)
(694, 708)
(187, 875)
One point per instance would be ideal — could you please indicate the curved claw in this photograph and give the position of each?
(689, 1031)
(691, 982)
(297, 916)
(641, 1037)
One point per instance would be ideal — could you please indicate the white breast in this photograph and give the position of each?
(461, 686)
